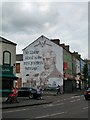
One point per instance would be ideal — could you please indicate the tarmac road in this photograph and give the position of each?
(63, 106)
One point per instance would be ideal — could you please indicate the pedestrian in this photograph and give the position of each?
(58, 89)
(38, 93)
(13, 96)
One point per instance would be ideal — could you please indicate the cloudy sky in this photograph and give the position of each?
(23, 22)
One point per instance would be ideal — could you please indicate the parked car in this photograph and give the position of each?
(29, 92)
(87, 94)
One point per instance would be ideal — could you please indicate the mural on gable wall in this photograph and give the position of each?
(43, 64)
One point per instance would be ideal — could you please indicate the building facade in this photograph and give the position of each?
(7, 63)
(69, 80)
(43, 63)
(67, 62)
(19, 69)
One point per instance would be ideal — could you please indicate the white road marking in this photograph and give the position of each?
(85, 108)
(71, 97)
(51, 105)
(56, 101)
(64, 99)
(58, 104)
(75, 97)
(15, 110)
(51, 115)
(75, 100)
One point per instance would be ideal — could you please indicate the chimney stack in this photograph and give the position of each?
(67, 47)
(57, 41)
(76, 55)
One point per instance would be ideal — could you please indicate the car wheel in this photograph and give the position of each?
(30, 96)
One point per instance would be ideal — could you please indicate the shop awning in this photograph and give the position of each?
(8, 76)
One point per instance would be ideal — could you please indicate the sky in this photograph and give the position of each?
(24, 21)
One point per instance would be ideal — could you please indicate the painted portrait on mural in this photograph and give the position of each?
(49, 60)
(51, 74)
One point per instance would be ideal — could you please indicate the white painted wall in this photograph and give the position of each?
(12, 49)
(34, 57)
(77, 66)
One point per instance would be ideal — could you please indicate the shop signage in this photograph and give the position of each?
(6, 69)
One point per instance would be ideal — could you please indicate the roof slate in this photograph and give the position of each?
(4, 40)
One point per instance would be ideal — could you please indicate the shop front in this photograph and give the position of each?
(69, 83)
(7, 79)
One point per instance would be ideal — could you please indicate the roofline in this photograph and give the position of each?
(35, 41)
(72, 53)
(8, 41)
(54, 43)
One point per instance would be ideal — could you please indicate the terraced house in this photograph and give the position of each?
(7, 64)
(45, 62)
(34, 60)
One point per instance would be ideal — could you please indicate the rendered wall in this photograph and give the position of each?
(43, 63)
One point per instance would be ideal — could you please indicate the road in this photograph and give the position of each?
(70, 107)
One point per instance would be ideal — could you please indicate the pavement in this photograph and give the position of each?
(47, 98)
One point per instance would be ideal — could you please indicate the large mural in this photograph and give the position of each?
(43, 64)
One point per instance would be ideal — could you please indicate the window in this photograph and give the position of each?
(65, 65)
(17, 67)
(6, 58)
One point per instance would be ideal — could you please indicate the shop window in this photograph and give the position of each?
(6, 58)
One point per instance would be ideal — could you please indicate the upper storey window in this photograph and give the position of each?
(6, 58)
